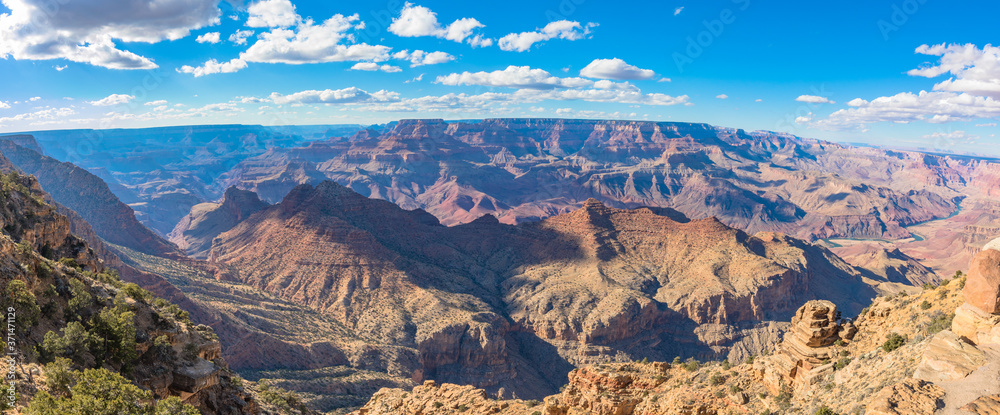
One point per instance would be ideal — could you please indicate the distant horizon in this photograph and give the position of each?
(891, 72)
(931, 151)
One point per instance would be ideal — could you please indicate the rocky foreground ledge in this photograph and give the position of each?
(937, 351)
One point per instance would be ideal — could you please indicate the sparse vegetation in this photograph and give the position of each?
(893, 342)
(102, 392)
(940, 322)
(925, 305)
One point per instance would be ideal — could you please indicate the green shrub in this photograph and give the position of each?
(74, 343)
(925, 305)
(893, 342)
(70, 262)
(115, 326)
(533, 403)
(940, 322)
(824, 410)
(18, 296)
(59, 376)
(438, 404)
(692, 364)
(716, 379)
(842, 363)
(80, 298)
(726, 365)
(677, 360)
(137, 293)
(101, 392)
(735, 389)
(749, 360)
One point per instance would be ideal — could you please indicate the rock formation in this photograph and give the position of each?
(50, 277)
(578, 288)
(195, 232)
(807, 350)
(982, 290)
(910, 397)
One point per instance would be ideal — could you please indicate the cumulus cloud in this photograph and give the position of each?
(352, 95)
(616, 69)
(603, 91)
(156, 103)
(678, 10)
(420, 58)
(974, 70)
(240, 37)
(416, 21)
(210, 37)
(932, 107)
(722, 96)
(514, 77)
(87, 31)
(4, 105)
(312, 43)
(272, 13)
(43, 114)
(214, 67)
(561, 29)
(113, 99)
(958, 135)
(814, 99)
(372, 66)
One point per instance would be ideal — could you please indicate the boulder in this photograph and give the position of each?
(909, 397)
(985, 405)
(975, 326)
(947, 357)
(982, 287)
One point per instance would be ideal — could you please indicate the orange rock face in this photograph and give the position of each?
(982, 289)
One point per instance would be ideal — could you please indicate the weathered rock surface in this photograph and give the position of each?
(982, 289)
(577, 288)
(910, 397)
(985, 405)
(806, 349)
(195, 232)
(975, 326)
(947, 357)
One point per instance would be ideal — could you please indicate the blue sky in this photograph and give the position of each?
(844, 71)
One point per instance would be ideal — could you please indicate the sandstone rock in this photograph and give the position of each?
(947, 357)
(910, 397)
(985, 405)
(982, 288)
(973, 325)
(198, 376)
(802, 354)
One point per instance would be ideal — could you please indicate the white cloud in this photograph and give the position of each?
(372, 66)
(214, 67)
(758, 100)
(989, 124)
(33, 99)
(416, 21)
(678, 10)
(240, 37)
(722, 96)
(974, 70)
(210, 37)
(664, 80)
(4, 105)
(814, 99)
(420, 58)
(60, 68)
(114, 99)
(932, 107)
(272, 13)
(615, 69)
(350, 95)
(561, 29)
(514, 77)
(156, 103)
(417, 79)
(603, 91)
(87, 31)
(48, 113)
(958, 135)
(311, 43)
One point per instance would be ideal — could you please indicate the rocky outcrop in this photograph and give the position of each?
(806, 351)
(975, 326)
(985, 405)
(195, 232)
(61, 279)
(90, 197)
(577, 287)
(432, 398)
(982, 289)
(910, 397)
(948, 357)
(529, 169)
